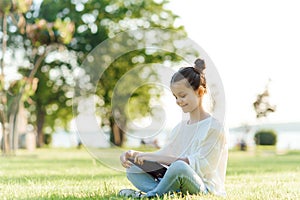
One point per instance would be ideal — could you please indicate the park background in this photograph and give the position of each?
(254, 46)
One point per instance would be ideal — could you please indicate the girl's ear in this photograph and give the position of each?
(201, 91)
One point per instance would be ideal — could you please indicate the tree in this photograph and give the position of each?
(50, 106)
(74, 28)
(95, 21)
(11, 93)
(38, 38)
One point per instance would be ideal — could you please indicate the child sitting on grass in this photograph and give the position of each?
(196, 151)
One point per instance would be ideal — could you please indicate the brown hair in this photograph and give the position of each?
(194, 75)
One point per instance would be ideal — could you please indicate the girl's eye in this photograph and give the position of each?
(182, 96)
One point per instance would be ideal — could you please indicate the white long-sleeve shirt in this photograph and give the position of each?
(205, 145)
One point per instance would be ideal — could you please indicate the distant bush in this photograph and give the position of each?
(265, 137)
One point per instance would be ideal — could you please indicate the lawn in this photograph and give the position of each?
(74, 174)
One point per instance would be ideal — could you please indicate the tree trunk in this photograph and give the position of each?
(14, 127)
(117, 134)
(40, 124)
(12, 131)
(5, 139)
(3, 100)
(5, 142)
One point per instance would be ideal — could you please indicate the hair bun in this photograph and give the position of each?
(199, 65)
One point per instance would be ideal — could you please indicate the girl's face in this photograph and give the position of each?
(187, 98)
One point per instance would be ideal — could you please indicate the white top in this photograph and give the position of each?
(205, 145)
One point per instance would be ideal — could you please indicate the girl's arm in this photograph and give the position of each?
(154, 156)
(139, 158)
(158, 156)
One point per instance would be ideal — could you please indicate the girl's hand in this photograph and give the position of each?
(139, 158)
(124, 158)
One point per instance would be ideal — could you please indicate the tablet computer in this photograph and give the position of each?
(155, 169)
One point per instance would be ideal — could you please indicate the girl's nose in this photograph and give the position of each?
(178, 101)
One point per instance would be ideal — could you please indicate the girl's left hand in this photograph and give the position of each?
(139, 158)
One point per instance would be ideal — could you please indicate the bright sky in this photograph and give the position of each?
(249, 42)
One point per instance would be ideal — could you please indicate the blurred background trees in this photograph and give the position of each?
(48, 41)
(26, 41)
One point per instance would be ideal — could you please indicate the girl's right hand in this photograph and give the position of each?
(124, 158)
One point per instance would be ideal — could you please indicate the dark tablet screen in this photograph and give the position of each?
(155, 169)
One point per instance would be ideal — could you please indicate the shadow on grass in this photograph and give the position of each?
(96, 197)
(116, 197)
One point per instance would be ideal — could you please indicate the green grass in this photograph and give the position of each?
(74, 174)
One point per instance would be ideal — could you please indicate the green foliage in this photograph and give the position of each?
(5, 6)
(42, 32)
(95, 21)
(37, 38)
(52, 99)
(22, 6)
(73, 29)
(265, 137)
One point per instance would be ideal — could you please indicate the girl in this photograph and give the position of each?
(196, 151)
